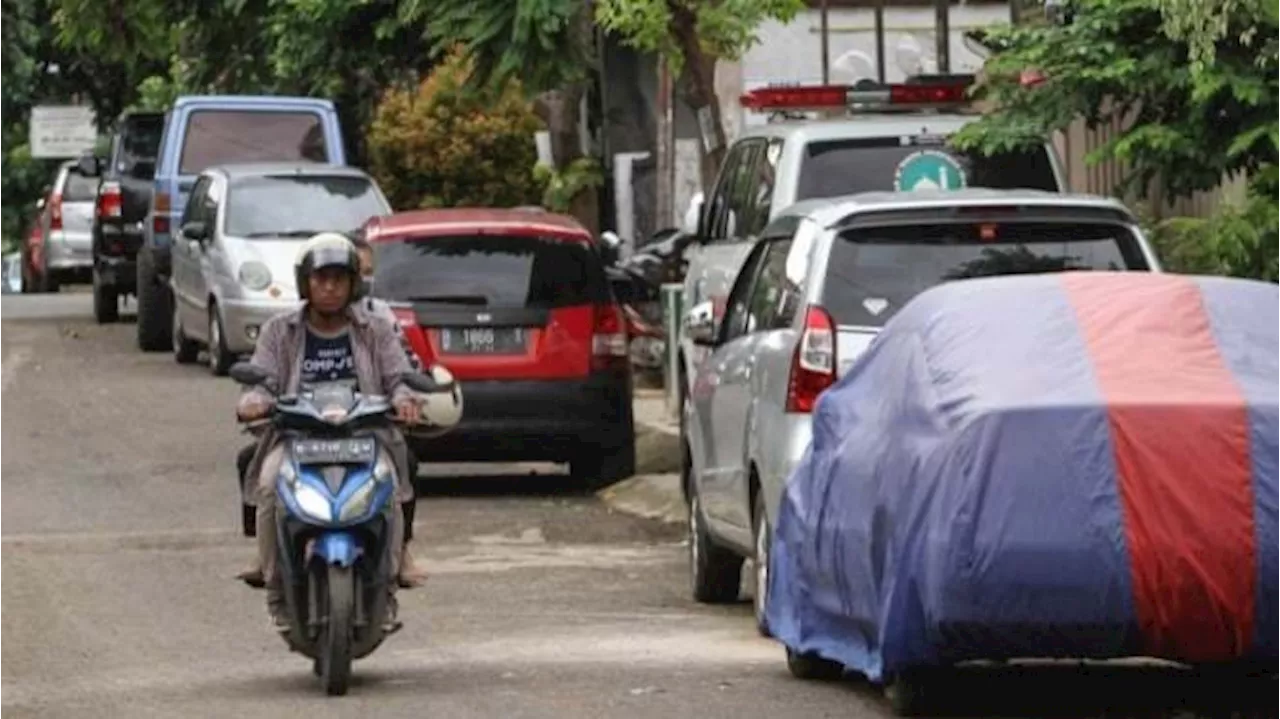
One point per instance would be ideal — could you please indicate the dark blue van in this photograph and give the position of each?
(207, 130)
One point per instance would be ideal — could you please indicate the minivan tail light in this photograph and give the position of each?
(813, 366)
(110, 200)
(55, 211)
(160, 215)
(609, 338)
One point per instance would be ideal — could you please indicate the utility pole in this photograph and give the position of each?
(826, 52)
(942, 28)
(880, 59)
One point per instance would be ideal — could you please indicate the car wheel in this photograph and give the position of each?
(220, 358)
(715, 572)
(913, 692)
(185, 351)
(763, 535)
(812, 667)
(154, 307)
(106, 301)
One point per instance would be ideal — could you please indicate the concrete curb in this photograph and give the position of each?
(649, 496)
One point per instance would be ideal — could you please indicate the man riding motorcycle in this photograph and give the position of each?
(411, 575)
(331, 338)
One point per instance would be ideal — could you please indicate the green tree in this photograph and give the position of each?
(692, 35)
(1185, 132)
(547, 45)
(444, 144)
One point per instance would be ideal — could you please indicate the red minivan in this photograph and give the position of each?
(516, 304)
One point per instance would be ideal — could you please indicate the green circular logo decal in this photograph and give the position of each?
(928, 170)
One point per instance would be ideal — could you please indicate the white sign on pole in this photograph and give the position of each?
(60, 131)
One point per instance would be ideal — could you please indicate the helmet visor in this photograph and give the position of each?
(323, 257)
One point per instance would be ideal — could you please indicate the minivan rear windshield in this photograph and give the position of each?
(300, 205)
(490, 271)
(872, 272)
(141, 137)
(846, 167)
(223, 137)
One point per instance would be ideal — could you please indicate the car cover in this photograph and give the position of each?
(1072, 465)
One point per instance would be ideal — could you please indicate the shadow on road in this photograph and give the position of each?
(489, 483)
(1096, 690)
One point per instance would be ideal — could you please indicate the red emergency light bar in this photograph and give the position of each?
(826, 97)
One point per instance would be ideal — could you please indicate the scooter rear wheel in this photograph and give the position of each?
(335, 638)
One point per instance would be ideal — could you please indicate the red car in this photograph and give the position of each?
(517, 305)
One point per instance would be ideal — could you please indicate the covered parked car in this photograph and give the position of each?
(517, 305)
(816, 289)
(233, 254)
(1079, 465)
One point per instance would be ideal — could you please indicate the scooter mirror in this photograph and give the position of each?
(249, 374)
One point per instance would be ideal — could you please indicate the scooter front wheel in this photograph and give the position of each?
(334, 655)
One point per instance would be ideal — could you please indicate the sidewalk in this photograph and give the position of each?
(654, 492)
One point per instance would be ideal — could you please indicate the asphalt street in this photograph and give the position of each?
(120, 541)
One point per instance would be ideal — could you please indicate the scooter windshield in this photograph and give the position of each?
(333, 400)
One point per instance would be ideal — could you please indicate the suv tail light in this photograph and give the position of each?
(110, 200)
(55, 211)
(813, 366)
(160, 213)
(609, 339)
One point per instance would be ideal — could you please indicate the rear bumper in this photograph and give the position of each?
(536, 420)
(242, 319)
(68, 250)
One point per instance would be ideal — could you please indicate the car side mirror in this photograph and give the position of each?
(700, 324)
(88, 165)
(693, 215)
(610, 247)
(251, 375)
(195, 230)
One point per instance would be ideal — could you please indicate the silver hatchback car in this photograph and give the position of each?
(811, 297)
(66, 222)
(234, 251)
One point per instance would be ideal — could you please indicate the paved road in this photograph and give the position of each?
(119, 544)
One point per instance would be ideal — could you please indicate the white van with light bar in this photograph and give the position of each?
(873, 138)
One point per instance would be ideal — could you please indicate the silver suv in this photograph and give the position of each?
(888, 138)
(812, 295)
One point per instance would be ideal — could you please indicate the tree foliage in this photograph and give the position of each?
(1187, 130)
(692, 35)
(443, 144)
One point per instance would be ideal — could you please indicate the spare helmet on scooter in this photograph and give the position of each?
(327, 249)
(442, 407)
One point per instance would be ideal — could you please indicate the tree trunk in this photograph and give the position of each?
(697, 88)
(559, 110)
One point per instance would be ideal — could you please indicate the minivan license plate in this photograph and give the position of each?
(482, 340)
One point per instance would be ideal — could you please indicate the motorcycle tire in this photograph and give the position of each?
(335, 638)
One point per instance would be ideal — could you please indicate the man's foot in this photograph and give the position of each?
(391, 624)
(411, 575)
(279, 616)
(253, 576)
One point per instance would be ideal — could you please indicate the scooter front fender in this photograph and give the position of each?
(337, 548)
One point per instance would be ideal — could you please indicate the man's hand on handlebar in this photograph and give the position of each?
(409, 410)
(253, 407)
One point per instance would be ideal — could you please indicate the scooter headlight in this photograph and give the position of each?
(359, 502)
(312, 502)
(385, 469)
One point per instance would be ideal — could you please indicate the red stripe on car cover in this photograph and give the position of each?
(1180, 430)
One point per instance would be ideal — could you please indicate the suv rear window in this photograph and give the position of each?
(873, 272)
(78, 188)
(490, 271)
(218, 137)
(846, 167)
(141, 137)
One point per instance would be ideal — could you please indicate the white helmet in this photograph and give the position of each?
(441, 409)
